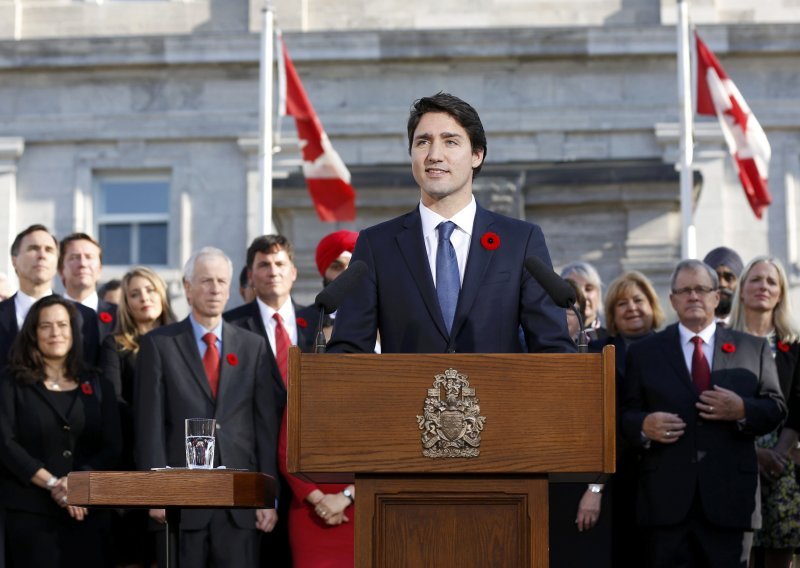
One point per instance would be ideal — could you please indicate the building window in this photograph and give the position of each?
(132, 217)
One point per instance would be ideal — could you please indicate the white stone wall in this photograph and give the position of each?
(554, 98)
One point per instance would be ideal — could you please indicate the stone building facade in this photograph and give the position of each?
(137, 121)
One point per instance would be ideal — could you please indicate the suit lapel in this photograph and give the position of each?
(477, 262)
(673, 352)
(255, 323)
(187, 347)
(722, 359)
(412, 247)
(226, 370)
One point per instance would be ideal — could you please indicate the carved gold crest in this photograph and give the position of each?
(452, 422)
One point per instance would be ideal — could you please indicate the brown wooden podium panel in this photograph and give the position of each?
(544, 413)
(451, 521)
(163, 489)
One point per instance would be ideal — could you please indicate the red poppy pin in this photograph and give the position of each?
(105, 317)
(233, 360)
(783, 346)
(302, 322)
(729, 348)
(86, 387)
(490, 241)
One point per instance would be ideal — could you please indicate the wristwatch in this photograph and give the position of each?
(595, 487)
(349, 495)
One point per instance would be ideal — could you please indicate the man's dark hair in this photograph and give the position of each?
(62, 249)
(462, 113)
(26, 362)
(243, 281)
(110, 286)
(32, 229)
(267, 244)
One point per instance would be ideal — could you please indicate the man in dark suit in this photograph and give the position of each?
(449, 276)
(34, 255)
(80, 264)
(202, 367)
(272, 273)
(694, 397)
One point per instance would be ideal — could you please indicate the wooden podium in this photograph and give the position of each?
(545, 418)
(172, 490)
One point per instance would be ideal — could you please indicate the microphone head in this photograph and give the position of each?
(559, 291)
(334, 293)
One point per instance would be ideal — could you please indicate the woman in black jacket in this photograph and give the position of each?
(55, 417)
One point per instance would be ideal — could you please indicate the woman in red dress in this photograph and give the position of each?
(321, 519)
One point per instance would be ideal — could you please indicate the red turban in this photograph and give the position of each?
(332, 246)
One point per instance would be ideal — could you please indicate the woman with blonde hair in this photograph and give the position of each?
(761, 307)
(143, 307)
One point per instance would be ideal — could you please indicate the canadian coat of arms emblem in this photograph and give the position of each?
(452, 422)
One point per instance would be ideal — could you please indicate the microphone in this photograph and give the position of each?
(559, 291)
(332, 296)
(562, 294)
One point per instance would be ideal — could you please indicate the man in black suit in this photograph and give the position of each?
(271, 270)
(34, 255)
(449, 276)
(80, 264)
(695, 396)
(202, 367)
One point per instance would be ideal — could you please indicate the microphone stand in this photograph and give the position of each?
(320, 345)
(583, 338)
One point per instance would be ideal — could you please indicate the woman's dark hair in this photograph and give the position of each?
(462, 112)
(26, 362)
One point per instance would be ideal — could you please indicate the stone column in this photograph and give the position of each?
(11, 149)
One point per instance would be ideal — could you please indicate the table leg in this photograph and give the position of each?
(173, 537)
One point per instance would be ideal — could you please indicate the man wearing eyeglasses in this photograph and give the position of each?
(694, 398)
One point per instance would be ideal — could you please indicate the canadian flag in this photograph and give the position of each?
(327, 178)
(747, 143)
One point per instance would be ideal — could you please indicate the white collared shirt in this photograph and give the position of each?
(289, 321)
(23, 304)
(461, 237)
(89, 301)
(706, 334)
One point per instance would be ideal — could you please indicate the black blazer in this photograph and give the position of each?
(248, 317)
(90, 331)
(788, 364)
(171, 385)
(118, 367)
(34, 434)
(716, 458)
(398, 298)
(106, 319)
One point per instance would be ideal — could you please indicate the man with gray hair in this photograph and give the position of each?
(694, 397)
(202, 367)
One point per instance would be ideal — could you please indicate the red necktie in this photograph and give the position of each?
(211, 362)
(701, 373)
(282, 344)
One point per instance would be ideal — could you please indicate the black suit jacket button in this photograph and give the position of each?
(67, 454)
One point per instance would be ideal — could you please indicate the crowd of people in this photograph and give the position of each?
(102, 378)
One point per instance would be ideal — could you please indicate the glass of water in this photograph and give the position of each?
(200, 443)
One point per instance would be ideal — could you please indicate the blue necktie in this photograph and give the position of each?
(448, 282)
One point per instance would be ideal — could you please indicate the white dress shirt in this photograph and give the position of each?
(289, 321)
(707, 335)
(461, 237)
(23, 303)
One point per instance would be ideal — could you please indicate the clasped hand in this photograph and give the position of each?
(59, 495)
(331, 509)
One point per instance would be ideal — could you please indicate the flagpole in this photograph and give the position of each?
(688, 235)
(265, 120)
